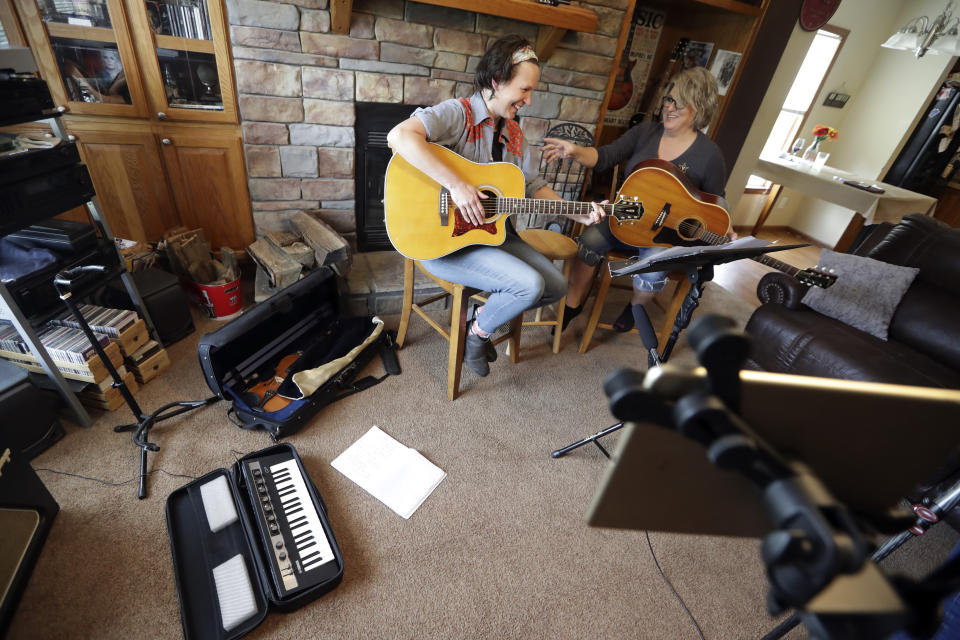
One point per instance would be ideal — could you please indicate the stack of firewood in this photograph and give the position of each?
(191, 256)
(282, 257)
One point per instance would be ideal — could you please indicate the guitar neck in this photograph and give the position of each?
(779, 265)
(537, 206)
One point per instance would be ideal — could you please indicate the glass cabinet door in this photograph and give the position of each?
(84, 51)
(186, 61)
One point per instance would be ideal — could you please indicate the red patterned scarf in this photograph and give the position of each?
(512, 141)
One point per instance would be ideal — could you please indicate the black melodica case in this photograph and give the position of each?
(301, 319)
(196, 550)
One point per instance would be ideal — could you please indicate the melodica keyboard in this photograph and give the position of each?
(295, 541)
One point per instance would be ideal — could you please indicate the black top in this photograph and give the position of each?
(702, 162)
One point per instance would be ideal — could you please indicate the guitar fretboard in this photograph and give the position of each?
(535, 206)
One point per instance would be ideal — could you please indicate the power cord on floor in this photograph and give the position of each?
(672, 590)
(114, 484)
(120, 484)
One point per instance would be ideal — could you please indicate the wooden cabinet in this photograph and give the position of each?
(209, 183)
(149, 94)
(129, 177)
(151, 178)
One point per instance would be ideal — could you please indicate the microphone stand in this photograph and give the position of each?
(63, 282)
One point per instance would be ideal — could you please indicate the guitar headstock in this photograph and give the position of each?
(816, 278)
(680, 48)
(627, 208)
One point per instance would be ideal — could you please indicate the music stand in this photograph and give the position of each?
(697, 263)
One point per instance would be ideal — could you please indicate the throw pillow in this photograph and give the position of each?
(866, 292)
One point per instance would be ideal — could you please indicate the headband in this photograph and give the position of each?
(524, 53)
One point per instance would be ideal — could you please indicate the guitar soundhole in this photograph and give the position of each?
(690, 229)
(461, 225)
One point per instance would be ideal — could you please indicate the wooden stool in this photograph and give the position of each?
(669, 311)
(554, 246)
(456, 333)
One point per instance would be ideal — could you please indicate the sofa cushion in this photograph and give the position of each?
(924, 242)
(928, 319)
(804, 342)
(866, 293)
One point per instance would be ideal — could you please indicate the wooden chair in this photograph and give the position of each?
(670, 309)
(554, 246)
(553, 238)
(456, 333)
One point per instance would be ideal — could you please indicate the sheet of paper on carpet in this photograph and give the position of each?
(391, 472)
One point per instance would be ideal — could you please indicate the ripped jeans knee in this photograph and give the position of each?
(589, 255)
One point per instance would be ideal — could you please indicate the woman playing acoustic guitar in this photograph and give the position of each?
(517, 276)
(689, 106)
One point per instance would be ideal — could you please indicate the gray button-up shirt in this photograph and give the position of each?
(446, 125)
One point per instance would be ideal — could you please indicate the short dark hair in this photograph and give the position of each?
(497, 65)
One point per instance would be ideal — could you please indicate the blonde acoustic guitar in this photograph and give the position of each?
(423, 223)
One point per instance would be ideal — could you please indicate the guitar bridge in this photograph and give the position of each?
(443, 207)
(661, 217)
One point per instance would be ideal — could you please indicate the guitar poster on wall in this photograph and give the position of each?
(634, 71)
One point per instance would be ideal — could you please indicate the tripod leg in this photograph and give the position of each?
(565, 450)
(781, 629)
(142, 492)
(690, 302)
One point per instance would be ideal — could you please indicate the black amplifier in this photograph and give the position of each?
(24, 98)
(15, 167)
(42, 196)
(27, 511)
(59, 235)
(35, 294)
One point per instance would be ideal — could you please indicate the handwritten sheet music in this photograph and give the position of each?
(396, 475)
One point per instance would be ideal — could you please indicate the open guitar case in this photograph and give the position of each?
(303, 320)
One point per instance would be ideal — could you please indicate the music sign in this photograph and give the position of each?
(635, 63)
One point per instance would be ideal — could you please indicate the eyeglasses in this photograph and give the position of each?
(672, 102)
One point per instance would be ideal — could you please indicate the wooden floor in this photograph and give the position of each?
(741, 277)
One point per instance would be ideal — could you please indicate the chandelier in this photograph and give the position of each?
(921, 35)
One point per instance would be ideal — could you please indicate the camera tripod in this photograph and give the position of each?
(63, 282)
(815, 552)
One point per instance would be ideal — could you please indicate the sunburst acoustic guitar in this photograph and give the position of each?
(671, 212)
(655, 207)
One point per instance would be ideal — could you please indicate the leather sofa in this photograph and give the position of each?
(923, 346)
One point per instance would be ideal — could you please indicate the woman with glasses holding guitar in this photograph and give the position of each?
(482, 129)
(688, 106)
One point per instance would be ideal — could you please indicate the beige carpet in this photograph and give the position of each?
(500, 550)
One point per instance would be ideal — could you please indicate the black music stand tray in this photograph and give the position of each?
(698, 266)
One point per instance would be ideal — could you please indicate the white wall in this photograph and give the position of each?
(889, 90)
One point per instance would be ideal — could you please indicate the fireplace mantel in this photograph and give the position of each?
(553, 21)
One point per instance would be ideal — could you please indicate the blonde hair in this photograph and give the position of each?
(698, 88)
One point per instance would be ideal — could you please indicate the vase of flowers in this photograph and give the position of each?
(820, 133)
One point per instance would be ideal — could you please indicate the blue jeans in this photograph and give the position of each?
(517, 276)
(597, 240)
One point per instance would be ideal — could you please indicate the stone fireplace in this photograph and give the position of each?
(302, 89)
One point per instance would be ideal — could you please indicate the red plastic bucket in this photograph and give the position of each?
(218, 300)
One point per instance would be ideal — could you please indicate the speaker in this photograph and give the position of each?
(166, 303)
(27, 511)
(36, 426)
